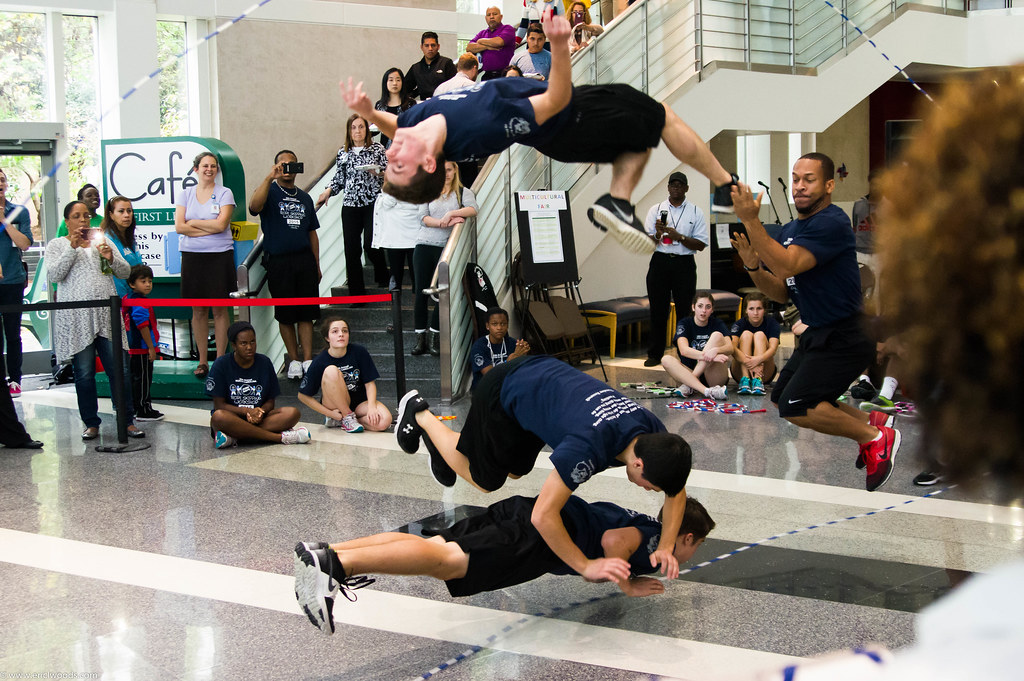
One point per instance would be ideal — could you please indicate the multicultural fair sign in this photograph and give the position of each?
(153, 172)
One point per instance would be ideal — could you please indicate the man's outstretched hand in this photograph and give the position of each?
(556, 27)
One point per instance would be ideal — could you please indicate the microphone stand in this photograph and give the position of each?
(785, 192)
(771, 202)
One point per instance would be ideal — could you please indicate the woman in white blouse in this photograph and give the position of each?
(456, 204)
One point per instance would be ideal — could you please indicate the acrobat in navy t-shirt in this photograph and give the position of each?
(356, 367)
(488, 117)
(586, 423)
(830, 291)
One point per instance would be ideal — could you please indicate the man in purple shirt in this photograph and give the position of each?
(495, 45)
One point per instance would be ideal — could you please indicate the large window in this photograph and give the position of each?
(22, 67)
(173, 79)
(80, 100)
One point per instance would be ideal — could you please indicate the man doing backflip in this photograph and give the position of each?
(814, 260)
(491, 551)
(553, 117)
(520, 406)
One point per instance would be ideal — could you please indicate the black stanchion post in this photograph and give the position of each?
(117, 378)
(396, 322)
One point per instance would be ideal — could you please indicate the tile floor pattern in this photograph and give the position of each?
(175, 562)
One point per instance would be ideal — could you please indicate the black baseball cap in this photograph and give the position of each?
(678, 177)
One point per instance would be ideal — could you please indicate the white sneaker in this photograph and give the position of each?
(683, 391)
(305, 366)
(351, 424)
(295, 369)
(331, 422)
(296, 436)
(717, 392)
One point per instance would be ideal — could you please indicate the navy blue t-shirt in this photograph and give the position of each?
(697, 336)
(356, 367)
(590, 521)
(488, 117)
(485, 354)
(287, 220)
(830, 291)
(585, 422)
(769, 327)
(243, 387)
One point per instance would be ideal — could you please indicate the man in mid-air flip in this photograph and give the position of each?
(609, 123)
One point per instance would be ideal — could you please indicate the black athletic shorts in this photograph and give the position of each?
(294, 275)
(614, 118)
(824, 365)
(504, 548)
(493, 441)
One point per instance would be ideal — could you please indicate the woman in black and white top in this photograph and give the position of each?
(360, 174)
(456, 204)
(393, 97)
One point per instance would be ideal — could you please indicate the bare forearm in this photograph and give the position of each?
(19, 239)
(553, 531)
(671, 520)
(259, 197)
(770, 285)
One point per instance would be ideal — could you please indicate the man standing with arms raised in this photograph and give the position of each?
(813, 260)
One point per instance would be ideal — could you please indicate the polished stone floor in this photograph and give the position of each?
(174, 562)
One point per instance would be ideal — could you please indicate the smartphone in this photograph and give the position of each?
(292, 168)
(737, 229)
(93, 235)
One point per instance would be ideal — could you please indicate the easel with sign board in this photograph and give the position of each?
(545, 278)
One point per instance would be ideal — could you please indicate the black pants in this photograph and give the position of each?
(11, 294)
(357, 231)
(669, 278)
(424, 262)
(142, 383)
(12, 433)
(397, 259)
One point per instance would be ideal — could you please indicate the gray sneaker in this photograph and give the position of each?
(332, 422)
(718, 392)
(296, 436)
(351, 424)
(683, 391)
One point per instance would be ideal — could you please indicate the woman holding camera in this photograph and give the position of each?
(202, 216)
(360, 174)
(83, 265)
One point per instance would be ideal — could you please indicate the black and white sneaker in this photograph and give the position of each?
(863, 390)
(722, 200)
(927, 479)
(407, 431)
(315, 584)
(439, 468)
(618, 218)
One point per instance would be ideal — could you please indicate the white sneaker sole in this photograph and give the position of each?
(311, 587)
(631, 238)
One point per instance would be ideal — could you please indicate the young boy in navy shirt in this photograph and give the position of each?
(140, 325)
(497, 549)
(520, 406)
(704, 349)
(497, 347)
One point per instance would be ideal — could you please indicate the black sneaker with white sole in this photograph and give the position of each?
(618, 218)
(722, 200)
(407, 431)
(316, 585)
(439, 468)
(927, 479)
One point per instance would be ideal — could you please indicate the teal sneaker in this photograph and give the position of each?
(744, 388)
(757, 387)
(878, 403)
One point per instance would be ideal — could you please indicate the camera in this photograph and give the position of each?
(292, 168)
(664, 217)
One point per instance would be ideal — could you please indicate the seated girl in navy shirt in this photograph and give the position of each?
(756, 338)
(704, 348)
(497, 347)
(346, 376)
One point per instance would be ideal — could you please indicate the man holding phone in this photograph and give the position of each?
(291, 251)
(680, 229)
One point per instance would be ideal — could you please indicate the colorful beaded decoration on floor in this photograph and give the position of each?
(712, 406)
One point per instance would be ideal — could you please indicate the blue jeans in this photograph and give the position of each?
(84, 366)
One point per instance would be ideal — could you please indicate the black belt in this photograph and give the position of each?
(674, 255)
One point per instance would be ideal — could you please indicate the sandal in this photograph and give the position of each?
(202, 370)
(90, 433)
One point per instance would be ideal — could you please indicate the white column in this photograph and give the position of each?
(127, 53)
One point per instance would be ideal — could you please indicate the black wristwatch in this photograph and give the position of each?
(751, 269)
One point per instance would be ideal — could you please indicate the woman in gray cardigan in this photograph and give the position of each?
(83, 265)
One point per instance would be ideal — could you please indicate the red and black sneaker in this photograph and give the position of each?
(878, 419)
(880, 457)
